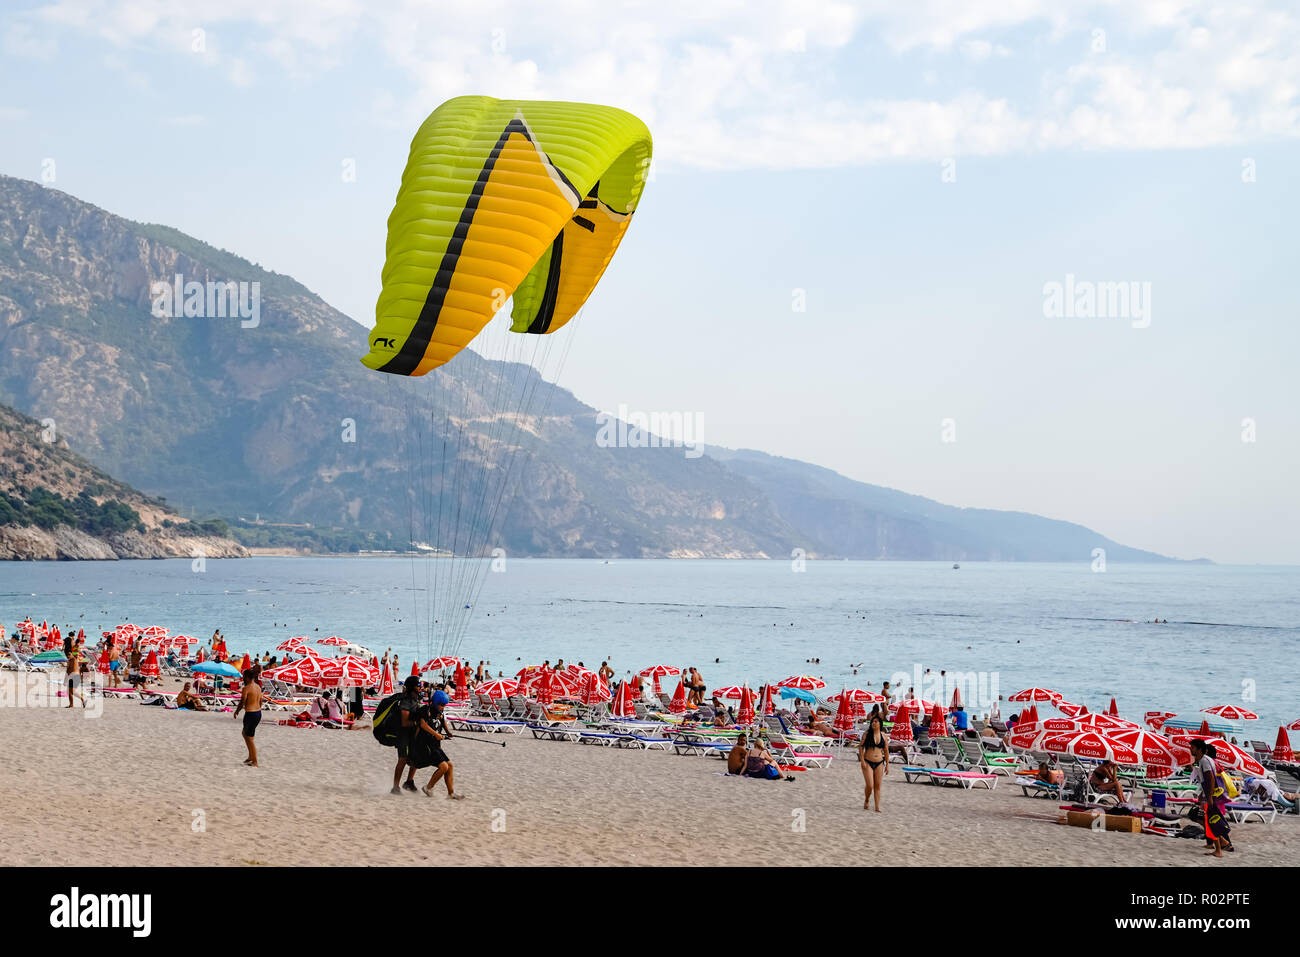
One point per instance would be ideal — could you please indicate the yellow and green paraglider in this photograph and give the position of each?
(502, 198)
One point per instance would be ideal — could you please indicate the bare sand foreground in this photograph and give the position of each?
(143, 785)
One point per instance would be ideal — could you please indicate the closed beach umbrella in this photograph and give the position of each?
(676, 706)
(1113, 709)
(1282, 749)
(149, 667)
(245, 664)
(386, 682)
(595, 689)
(956, 698)
(939, 723)
(843, 720)
(546, 687)
(102, 665)
(462, 691)
(803, 682)
(765, 701)
(746, 714)
(1230, 712)
(659, 671)
(901, 730)
(623, 701)
(1036, 694)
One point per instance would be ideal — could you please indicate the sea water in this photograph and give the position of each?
(1232, 634)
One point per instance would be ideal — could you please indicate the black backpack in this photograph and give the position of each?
(388, 721)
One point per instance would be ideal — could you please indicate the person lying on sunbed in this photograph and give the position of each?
(188, 700)
(1266, 789)
(1105, 780)
(817, 725)
(737, 755)
(1048, 774)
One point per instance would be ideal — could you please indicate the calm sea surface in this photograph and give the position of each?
(1232, 631)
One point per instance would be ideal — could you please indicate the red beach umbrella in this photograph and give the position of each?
(440, 664)
(1090, 744)
(746, 714)
(332, 640)
(730, 691)
(1070, 709)
(859, 696)
(415, 670)
(1104, 722)
(1156, 719)
(623, 701)
(462, 691)
(102, 665)
(1294, 725)
(499, 688)
(595, 689)
(901, 730)
(843, 720)
(246, 663)
(1282, 749)
(676, 706)
(1227, 754)
(803, 682)
(765, 701)
(956, 698)
(1155, 749)
(386, 682)
(1230, 712)
(1036, 694)
(917, 706)
(939, 723)
(659, 671)
(150, 665)
(1113, 709)
(546, 688)
(1205, 731)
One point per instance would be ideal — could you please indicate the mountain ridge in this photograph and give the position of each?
(243, 420)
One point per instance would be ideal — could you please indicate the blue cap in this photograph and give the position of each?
(440, 698)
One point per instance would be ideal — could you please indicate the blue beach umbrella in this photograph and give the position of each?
(216, 668)
(1191, 721)
(799, 693)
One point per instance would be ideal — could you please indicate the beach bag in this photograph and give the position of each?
(771, 773)
(1230, 786)
(388, 721)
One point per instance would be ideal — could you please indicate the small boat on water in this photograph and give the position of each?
(955, 565)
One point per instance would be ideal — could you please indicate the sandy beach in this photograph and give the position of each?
(147, 786)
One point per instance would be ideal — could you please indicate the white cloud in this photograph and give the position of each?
(779, 83)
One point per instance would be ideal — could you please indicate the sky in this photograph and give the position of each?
(858, 219)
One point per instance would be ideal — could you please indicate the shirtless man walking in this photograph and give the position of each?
(250, 702)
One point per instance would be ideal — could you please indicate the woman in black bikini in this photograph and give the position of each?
(873, 756)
